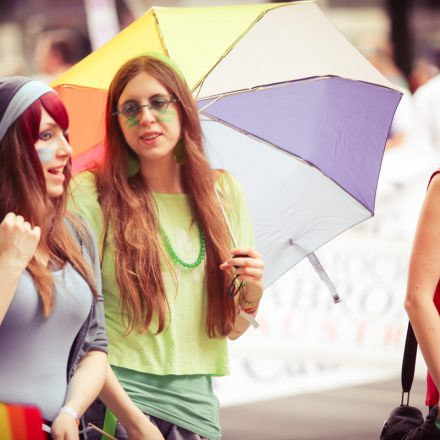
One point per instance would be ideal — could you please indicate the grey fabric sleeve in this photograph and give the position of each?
(96, 337)
(97, 327)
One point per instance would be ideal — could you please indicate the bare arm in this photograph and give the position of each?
(423, 276)
(136, 423)
(18, 244)
(250, 270)
(85, 385)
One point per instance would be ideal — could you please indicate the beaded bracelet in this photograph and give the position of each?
(251, 303)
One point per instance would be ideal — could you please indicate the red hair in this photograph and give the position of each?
(23, 191)
(30, 125)
(31, 117)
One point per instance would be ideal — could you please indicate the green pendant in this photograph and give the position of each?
(173, 255)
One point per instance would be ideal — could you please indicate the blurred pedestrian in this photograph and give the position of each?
(56, 51)
(427, 102)
(423, 70)
(423, 289)
(380, 53)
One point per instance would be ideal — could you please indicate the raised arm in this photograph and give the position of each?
(250, 267)
(18, 244)
(250, 271)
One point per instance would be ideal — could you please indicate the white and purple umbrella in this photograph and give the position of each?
(301, 119)
(287, 105)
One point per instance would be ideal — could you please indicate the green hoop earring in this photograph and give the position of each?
(133, 165)
(179, 153)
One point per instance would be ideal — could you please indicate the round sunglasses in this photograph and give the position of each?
(157, 104)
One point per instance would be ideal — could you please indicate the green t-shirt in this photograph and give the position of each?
(182, 355)
(186, 401)
(184, 346)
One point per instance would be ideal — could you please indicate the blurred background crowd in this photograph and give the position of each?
(401, 38)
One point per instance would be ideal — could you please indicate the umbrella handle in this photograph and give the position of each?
(324, 277)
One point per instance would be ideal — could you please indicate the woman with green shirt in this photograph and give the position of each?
(175, 285)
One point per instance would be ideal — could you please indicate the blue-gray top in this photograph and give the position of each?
(34, 350)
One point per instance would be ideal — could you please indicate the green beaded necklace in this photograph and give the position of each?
(172, 253)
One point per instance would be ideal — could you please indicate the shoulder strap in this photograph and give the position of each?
(410, 352)
(433, 175)
(408, 363)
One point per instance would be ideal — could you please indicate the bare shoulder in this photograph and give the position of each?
(433, 192)
(430, 212)
(435, 181)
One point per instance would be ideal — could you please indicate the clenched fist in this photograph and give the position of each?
(18, 241)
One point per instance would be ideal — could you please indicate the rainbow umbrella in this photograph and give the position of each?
(286, 103)
(20, 422)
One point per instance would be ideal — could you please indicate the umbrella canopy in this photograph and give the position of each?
(286, 103)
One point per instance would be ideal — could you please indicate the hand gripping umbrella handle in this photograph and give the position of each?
(243, 314)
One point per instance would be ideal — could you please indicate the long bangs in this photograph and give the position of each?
(29, 127)
(30, 121)
(54, 106)
(31, 117)
(57, 111)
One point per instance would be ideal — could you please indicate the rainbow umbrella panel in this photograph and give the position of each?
(287, 105)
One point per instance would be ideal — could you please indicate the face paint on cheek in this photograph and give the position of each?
(168, 116)
(45, 154)
(131, 122)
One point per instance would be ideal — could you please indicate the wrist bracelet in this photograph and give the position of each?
(251, 303)
(251, 310)
(70, 411)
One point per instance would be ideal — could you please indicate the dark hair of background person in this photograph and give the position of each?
(56, 50)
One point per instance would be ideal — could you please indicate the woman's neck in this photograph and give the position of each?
(163, 176)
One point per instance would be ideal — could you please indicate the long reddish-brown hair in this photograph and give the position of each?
(23, 191)
(129, 208)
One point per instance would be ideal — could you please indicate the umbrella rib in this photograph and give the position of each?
(211, 118)
(284, 83)
(199, 84)
(253, 136)
(211, 102)
(267, 87)
(159, 31)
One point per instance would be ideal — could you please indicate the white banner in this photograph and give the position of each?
(305, 342)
